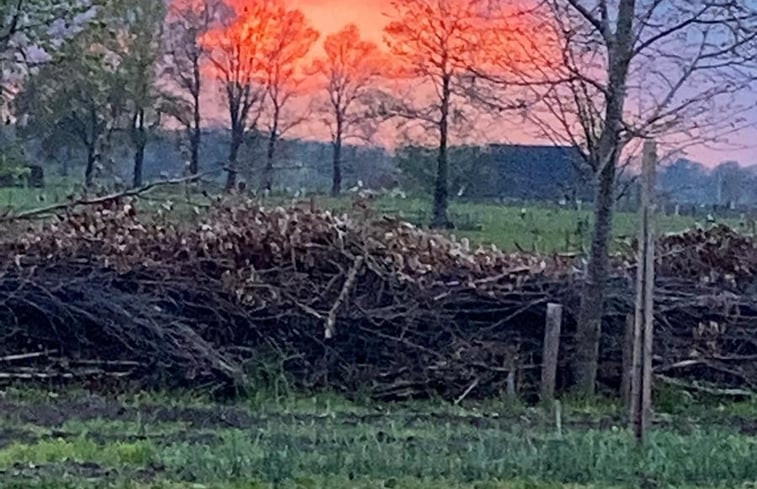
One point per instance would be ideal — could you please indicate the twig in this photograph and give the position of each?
(59, 375)
(351, 275)
(25, 356)
(100, 363)
(707, 390)
(467, 391)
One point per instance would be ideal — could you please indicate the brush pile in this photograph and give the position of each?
(378, 307)
(239, 295)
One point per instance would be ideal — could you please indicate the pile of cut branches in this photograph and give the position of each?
(373, 306)
(378, 307)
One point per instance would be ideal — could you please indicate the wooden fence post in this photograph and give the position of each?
(641, 383)
(552, 330)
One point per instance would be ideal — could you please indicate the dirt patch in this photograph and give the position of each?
(57, 412)
(78, 471)
(11, 436)
(71, 469)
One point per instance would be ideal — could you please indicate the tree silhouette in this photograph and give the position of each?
(137, 26)
(349, 68)
(288, 41)
(436, 41)
(235, 48)
(70, 99)
(188, 21)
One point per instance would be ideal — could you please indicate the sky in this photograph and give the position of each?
(370, 16)
(331, 15)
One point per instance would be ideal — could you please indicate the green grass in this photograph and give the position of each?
(80, 450)
(540, 229)
(324, 441)
(277, 452)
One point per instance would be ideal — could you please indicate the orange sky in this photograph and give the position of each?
(331, 15)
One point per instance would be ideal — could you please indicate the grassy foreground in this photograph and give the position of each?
(83, 441)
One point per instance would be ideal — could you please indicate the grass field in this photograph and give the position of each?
(539, 229)
(77, 440)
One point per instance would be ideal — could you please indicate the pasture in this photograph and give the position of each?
(77, 440)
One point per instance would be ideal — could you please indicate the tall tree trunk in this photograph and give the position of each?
(139, 161)
(196, 137)
(139, 153)
(267, 182)
(336, 182)
(441, 191)
(272, 139)
(194, 148)
(589, 328)
(232, 169)
(89, 170)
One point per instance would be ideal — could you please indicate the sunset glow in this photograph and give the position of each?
(330, 16)
(513, 47)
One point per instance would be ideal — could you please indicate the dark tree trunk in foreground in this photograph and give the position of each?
(605, 159)
(441, 190)
(593, 295)
(139, 162)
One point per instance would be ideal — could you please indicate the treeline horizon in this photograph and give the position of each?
(535, 172)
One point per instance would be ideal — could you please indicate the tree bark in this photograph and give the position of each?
(194, 148)
(139, 161)
(267, 183)
(441, 190)
(195, 138)
(336, 182)
(268, 170)
(589, 327)
(89, 170)
(232, 169)
(140, 141)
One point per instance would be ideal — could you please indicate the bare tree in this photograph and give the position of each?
(289, 40)
(234, 50)
(611, 72)
(434, 41)
(188, 22)
(137, 26)
(349, 69)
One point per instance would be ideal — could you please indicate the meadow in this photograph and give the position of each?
(77, 440)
